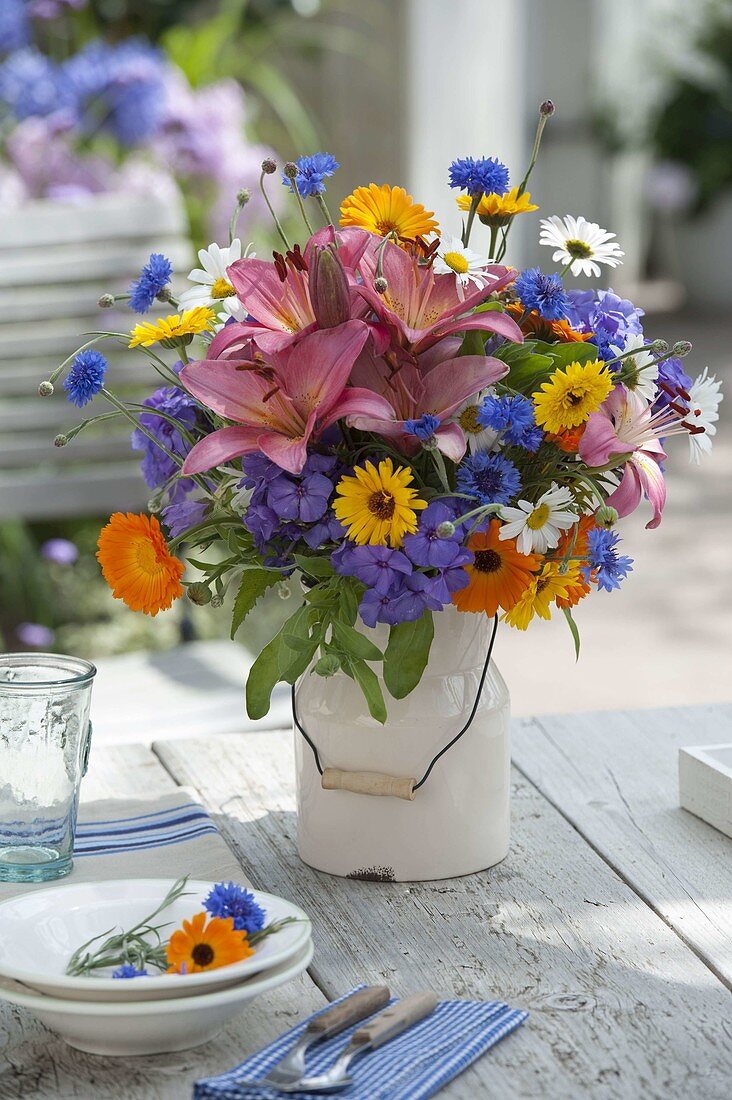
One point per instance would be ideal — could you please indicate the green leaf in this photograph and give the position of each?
(322, 595)
(575, 352)
(263, 675)
(294, 660)
(407, 654)
(315, 566)
(254, 584)
(368, 681)
(574, 630)
(348, 600)
(473, 343)
(355, 644)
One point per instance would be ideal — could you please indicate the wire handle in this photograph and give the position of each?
(374, 782)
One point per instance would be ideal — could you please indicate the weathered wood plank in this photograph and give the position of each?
(615, 777)
(124, 771)
(620, 1006)
(90, 491)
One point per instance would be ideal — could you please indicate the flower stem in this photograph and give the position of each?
(474, 201)
(324, 209)
(275, 219)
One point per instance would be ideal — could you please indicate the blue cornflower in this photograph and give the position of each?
(544, 293)
(491, 479)
(312, 171)
(86, 377)
(31, 85)
(156, 274)
(127, 970)
(514, 416)
(238, 903)
(120, 88)
(605, 565)
(424, 428)
(478, 177)
(671, 373)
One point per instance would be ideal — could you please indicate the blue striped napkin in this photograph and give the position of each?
(415, 1065)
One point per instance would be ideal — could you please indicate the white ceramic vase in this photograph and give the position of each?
(458, 821)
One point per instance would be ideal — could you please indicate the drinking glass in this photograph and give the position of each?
(45, 735)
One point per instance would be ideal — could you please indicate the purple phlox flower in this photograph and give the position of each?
(490, 478)
(312, 172)
(86, 377)
(406, 601)
(424, 428)
(512, 415)
(261, 522)
(544, 293)
(609, 317)
(483, 176)
(605, 565)
(328, 529)
(321, 464)
(377, 567)
(259, 471)
(157, 467)
(60, 551)
(14, 26)
(119, 88)
(236, 902)
(425, 547)
(156, 274)
(454, 577)
(127, 970)
(183, 515)
(300, 498)
(31, 84)
(35, 635)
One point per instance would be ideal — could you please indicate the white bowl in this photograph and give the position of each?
(39, 932)
(125, 1028)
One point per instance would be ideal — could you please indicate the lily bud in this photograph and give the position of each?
(329, 289)
(45, 389)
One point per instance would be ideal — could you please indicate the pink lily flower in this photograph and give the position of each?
(277, 294)
(280, 403)
(421, 308)
(624, 424)
(409, 393)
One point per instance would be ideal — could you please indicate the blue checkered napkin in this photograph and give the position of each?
(415, 1065)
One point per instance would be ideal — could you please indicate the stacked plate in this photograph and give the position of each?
(39, 931)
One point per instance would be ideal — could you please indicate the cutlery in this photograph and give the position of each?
(333, 1021)
(372, 1035)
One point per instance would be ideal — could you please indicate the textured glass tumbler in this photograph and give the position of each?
(45, 735)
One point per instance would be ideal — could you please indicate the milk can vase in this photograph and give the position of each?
(453, 823)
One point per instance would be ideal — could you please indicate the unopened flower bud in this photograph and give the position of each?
(327, 665)
(268, 166)
(329, 293)
(164, 294)
(380, 285)
(446, 529)
(45, 389)
(291, 170)
(199, 593)
(659, 347)
(243, 196)
(547, 108)
(681, 348)
(606, 516)
(60, 441)
(284, 591)
(106, 301)
(217, 601)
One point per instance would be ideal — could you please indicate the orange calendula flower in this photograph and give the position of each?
(203, 944)
(384, 209)
(137, 564)
(568, 439)
(499, 575)
(577, 586)
(551, 332)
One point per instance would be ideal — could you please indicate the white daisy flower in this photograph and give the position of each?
(539, 526)
(453, 258)
(580, 243)
(212, 287)
(705, 396)
(644, 370)
(477, 437)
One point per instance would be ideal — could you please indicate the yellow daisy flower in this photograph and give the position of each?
(170, 331)
(376, 505)
(542, 592)
(571, 395)
(497, 210)
(385, 209)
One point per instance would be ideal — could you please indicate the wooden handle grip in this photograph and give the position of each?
(396, 1019)
(333, 779)
(356, 1008)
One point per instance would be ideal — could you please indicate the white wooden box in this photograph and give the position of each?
(705, 784)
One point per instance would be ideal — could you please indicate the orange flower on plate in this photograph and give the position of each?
(203, 944)
(499, 575)
(137, 564)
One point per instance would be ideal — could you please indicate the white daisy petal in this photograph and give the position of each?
(705, 396)
(580, 244)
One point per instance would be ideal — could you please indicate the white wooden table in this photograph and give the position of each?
(610, 920)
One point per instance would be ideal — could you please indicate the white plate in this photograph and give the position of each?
(126, 1028)
(39, 932)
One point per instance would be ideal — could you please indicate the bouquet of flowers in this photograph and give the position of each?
(398, 419)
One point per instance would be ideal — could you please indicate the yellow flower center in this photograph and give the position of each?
(538, 517)
(457, 262)
(202, 954)
(580, 250)
(222, 289)
(381, 504)
(468, 420)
